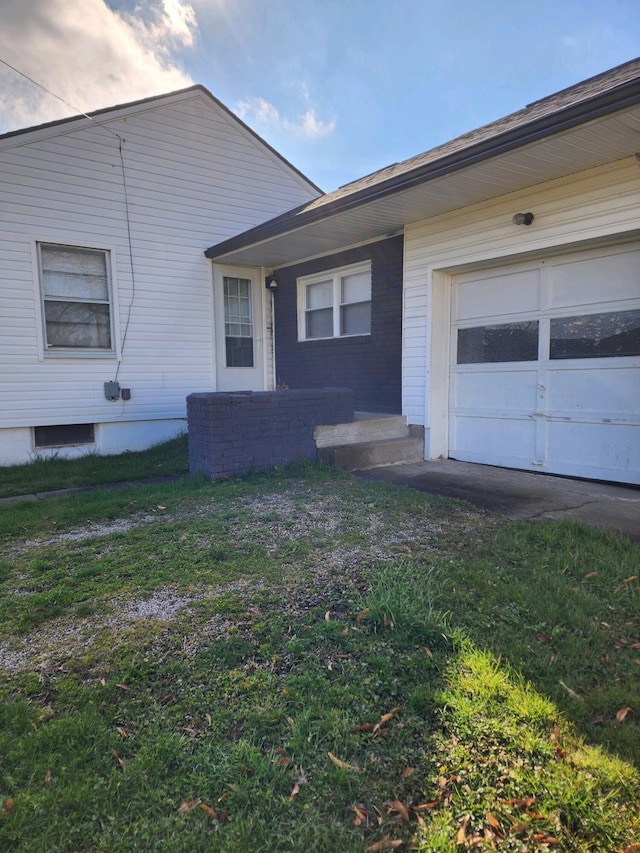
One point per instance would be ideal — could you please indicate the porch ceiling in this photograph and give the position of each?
(443, 189)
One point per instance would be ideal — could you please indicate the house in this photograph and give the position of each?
(488, 290)
(107, 303)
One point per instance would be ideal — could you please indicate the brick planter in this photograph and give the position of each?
(231, 433)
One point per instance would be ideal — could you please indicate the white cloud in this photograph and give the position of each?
(88, 54)
(258, 112)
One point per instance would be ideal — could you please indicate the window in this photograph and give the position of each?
(63, 435)
(596, 335)
(335, 304)
(238, 322)
(75, 292)
(504, 342)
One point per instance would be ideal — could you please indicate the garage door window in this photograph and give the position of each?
(596, 335)
(503, 342)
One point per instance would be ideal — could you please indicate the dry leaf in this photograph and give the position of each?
(590, 575)
(598, 719)
(161, 507)
(185, 808)
(208, 719)
(401, 809)
(428, 651)
(209, 811)
(492, 821)
(122, 687)
(632, 578)
(117, 758)
(571, 692)
(327, 615)
(294, 792)
(461, 835)
(622, 713)
(343, 764)
(633, 848)
(364, 727)
(424, 806)
(47, 778)
(344, 632)
(8, 804)
(384, 844)
(122, 732)
(361, 616)
(407, 772)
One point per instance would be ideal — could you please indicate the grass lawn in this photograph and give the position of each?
(303, 661)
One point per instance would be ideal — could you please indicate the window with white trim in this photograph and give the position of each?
(76, 299)
(335, 303)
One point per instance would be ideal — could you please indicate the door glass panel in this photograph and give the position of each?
(238, 322)
(504, 342)
(596, 335)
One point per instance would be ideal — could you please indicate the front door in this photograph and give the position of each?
(237, 305)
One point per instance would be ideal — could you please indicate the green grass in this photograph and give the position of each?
(463, 671)
(47, 474)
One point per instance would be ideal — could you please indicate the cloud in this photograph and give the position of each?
(89, 54)
(257, 111)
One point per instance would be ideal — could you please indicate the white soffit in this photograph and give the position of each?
(588, 146)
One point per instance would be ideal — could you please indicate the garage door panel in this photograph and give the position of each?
(516, 293)
(493, 441)
(595, 391)
(578, 448)
(595, 280)
(545, 366)
(495, 390)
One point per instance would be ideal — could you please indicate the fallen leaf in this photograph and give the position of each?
(424, 806)
(117, 758)
(590, 575)
(208, 718)
(605, 625)
(8, 804)
(185, 808)
(542, 638)
(461, 835)
(598, 719)
(622, 713)
(161, 507)
(492, 821)
(402, 810)
(294, 792)
(633, 848)
(327, 615)
(364, 727)
(361, 616)
(47, 778)
(122, 732)
(209, 811)
(428, 651)
(122, 687)
(407, 772)
(555, 734)
(344, 632)
(571, 692)
(384, 844)
(343, 764)
(629, 579)
(381, 732)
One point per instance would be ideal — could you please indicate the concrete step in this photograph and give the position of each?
(364, 428)
(372, 454)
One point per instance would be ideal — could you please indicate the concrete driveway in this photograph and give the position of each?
(522, 494)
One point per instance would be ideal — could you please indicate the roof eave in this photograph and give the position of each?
(614, 100)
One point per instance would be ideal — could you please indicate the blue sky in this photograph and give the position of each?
(340, 87)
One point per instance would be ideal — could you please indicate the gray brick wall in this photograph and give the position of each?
(231, 433)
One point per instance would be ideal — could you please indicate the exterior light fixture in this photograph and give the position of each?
(523, 219)
(272, 284)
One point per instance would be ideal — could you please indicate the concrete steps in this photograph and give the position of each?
(370, 441)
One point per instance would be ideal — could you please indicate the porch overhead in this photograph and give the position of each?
(588, 125)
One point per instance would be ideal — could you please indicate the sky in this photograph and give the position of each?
(340, 88)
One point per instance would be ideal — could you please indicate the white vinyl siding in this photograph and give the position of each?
(194, 177)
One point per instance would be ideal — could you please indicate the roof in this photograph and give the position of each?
(107, 112)
(403, 185)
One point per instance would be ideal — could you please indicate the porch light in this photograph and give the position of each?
(272, 284)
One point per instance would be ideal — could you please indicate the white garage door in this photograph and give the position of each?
(545, 365)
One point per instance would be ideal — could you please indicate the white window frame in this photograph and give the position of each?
(335, 276)
(78, 352)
